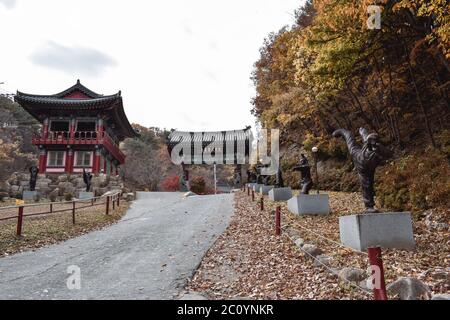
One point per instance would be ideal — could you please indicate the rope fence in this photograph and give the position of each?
(278, 227)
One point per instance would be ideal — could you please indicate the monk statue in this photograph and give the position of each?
(33, 177)
(305, 173)
(87, 177)
(365, 159)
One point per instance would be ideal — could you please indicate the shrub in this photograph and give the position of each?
(68, 196)
(197, 185)
(415, 182)
(171, 183)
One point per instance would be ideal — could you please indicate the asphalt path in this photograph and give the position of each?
(149, 254)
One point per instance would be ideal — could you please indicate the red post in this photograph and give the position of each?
(113, 203)
(278, 221)
(378, 282)
(19, 221)
(73, 212)
(51, 207)
(118, 200)
(248, 191)
(107, 205)
(262, 203)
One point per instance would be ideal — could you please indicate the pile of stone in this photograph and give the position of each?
(55, 186)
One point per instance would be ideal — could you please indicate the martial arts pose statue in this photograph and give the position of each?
(33, 177)
(365, 160)
(251, 176)
(279, 182)
(87, 177)
(305, 171)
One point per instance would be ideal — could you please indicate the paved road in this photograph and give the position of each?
(149, 254)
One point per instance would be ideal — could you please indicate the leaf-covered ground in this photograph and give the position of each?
(249, 261)
(39, 231)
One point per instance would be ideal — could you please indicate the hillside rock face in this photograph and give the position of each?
(57, 185)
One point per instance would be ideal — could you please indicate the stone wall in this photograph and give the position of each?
(57, 186)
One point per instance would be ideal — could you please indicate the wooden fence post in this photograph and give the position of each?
(73, 212)
(19, 221)
(107, 205)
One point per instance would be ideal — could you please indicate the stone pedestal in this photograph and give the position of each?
(85, 195)
(264, 190)
(29, 195)
(280, 194)
(309, 204)
(391, 230)
(256, 187)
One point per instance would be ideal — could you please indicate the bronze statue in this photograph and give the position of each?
(305, 171)
(279, 182)
(87, 177)
(251, 176)
(33, 177)
(365, 160)
(237, 175)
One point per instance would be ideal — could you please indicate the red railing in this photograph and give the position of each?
(81, 138)
(109, 202)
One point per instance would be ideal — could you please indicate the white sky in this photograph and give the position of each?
(180, 64)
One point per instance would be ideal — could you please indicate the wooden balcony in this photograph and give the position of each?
(81, 138)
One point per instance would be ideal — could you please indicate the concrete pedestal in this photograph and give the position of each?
(256, 187)
(29, 195)
(309, 204)
(280, 194)
(264, 190)
(391, 230)
(85, 195)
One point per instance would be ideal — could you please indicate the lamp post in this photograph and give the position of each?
(315, 151)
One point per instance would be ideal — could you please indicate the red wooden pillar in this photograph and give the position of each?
(96, 162)
(42, 160)
(69, 161)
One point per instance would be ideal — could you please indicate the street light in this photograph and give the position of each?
(315, 151)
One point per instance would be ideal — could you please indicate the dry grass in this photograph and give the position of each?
(49, 229)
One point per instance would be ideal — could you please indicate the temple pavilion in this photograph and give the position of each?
(81, 129)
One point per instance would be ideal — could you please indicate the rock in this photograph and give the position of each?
(189, 194)
(299, 242)
(3, 195)
(352, 274)
(323, 260)
(441, 297)
(129, 196)
(293, 233)
(311, 250)
(66, 187)
(63, 178)
(407, 288)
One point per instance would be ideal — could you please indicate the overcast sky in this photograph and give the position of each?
(182, 64)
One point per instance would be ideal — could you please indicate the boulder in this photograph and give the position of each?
(299, 242)
(66, 187)
(130, 196)
(312, 250)
(407, 288)
(63, 178)
(352, 274)
(323, 260)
